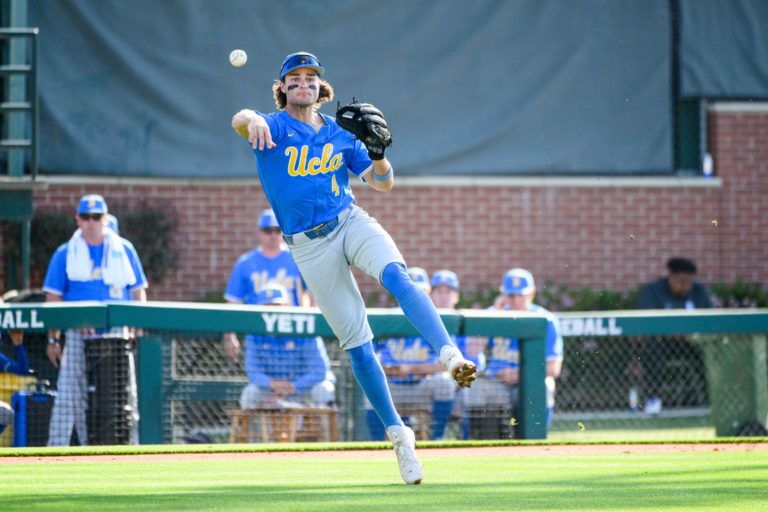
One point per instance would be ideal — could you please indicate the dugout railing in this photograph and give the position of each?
(710, 371)
(187, 386)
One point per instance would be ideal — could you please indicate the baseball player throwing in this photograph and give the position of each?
(304, 159)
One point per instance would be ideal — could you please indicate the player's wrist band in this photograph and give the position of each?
(52, 341)
(383, 177)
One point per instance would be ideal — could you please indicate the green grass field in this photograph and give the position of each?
(632, 428)
(712, 480)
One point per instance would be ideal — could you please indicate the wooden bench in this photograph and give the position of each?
(283, 425)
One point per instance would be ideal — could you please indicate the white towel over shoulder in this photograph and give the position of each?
(116, 270)
(79, 265)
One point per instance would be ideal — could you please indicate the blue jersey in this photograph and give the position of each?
(20, 366)
(414, 350)
(505, 352)
(253, 270)
(462, 345)
(297, 360)
(306, 175)
(57, 282)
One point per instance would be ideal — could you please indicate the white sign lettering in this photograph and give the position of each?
(269, 321)
(590, 327)
(36, 324)
(20, 319)
(20, 323)
(289, 324)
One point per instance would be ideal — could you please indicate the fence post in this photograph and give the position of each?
(533, 396)
(150, 387)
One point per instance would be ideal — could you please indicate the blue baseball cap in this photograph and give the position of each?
(273, 293)
(517, 281)
(92, 203)
(300, 60)
(445, 278)
(268, 219)
(420, 277)
(112, 223)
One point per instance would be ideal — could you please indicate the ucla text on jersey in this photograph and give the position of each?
(306, 175)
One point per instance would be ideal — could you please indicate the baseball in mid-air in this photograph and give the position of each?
(238, 58)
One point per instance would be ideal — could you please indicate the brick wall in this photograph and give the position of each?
(607, 233)
(739, 143)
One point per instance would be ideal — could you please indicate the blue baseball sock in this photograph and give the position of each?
(416, 305)
(2, 428)
(441, 413)
(465, 426)
(370, 376)
(375, 426)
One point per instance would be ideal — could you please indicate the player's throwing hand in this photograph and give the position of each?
(258, 133)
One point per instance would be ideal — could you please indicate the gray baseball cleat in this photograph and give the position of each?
(464, 372)
(404, 442)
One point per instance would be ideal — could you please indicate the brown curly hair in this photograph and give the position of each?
(326, 95)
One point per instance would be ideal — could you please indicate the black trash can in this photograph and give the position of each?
(109, 364)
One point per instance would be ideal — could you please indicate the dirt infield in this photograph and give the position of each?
(425, 453)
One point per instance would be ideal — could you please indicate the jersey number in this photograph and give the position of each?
(334, 185)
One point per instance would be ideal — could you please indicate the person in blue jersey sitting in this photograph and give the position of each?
(269, 262)
(445, 294)
(285, 371)
(416, 378)
(498, 387)
(19, 366)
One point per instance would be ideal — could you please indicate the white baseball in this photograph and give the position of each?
(238, 58)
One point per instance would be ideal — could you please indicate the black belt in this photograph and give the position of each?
(319, 231)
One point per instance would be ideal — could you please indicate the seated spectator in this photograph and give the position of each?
(415, 376)
(498, 387)
(445, 294)
(285, 371)
(269, 262)
(678, 290)
(19, 366)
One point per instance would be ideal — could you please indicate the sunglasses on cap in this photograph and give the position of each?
(91, 216)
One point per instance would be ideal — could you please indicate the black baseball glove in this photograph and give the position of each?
(367, 123)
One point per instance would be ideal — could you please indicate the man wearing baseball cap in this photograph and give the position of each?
(305, 160)
(95, 264)
(446, 294)
(269, 262)
(285, 370)
(500, 383)
(415, 376)
(420, 277)
(678, 290)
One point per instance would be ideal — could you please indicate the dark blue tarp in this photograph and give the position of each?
(144, 87)
(724, 49)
